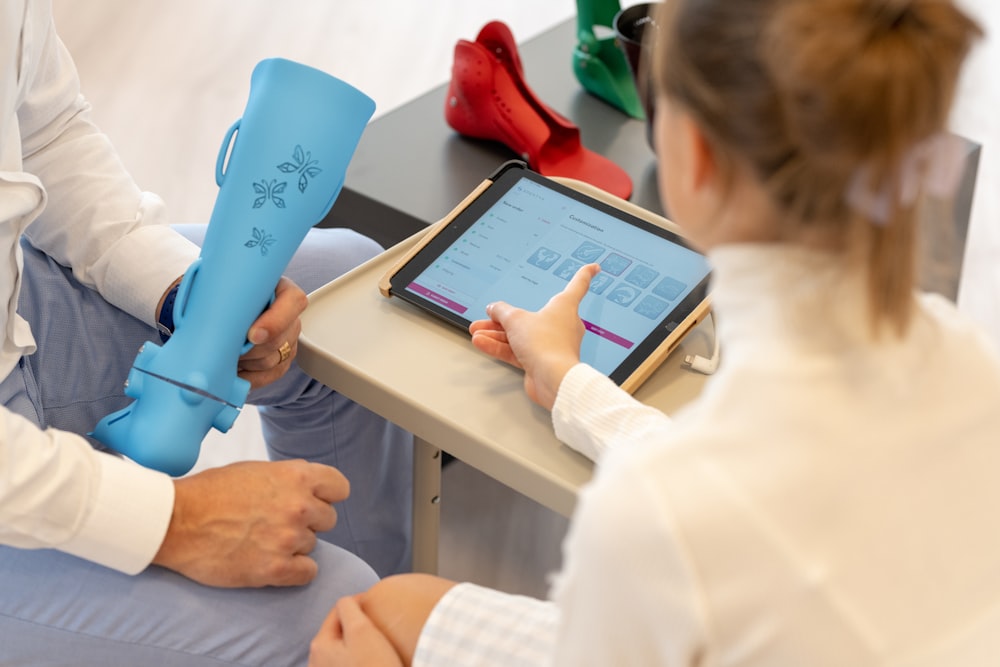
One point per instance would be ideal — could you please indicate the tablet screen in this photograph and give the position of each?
(526, 236)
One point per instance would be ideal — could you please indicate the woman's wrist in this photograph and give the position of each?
(556, 371)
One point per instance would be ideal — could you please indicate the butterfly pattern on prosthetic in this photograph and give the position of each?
(270, 189)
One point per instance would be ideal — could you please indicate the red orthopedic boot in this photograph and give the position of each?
(488, 99)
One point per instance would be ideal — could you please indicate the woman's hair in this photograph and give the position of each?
(817, 97)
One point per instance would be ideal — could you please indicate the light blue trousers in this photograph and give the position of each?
(59, 610)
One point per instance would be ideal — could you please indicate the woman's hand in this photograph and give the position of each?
(348, 638)
(380, 626)
(546, 344)
(275, 336)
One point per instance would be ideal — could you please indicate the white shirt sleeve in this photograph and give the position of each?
(627, 593)
(97, 222)
(60, 493)
(472, 626)
(595, 610)
(56, 491)
(592, 414)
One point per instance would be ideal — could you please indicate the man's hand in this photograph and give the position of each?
(275, 335)
(251, 523)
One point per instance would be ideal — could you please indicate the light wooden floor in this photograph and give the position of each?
(167, 79)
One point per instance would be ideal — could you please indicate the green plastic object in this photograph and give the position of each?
(599, 64)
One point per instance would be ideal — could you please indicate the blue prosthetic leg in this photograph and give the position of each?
(288, 156)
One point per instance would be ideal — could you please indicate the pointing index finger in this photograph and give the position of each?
(580, 282)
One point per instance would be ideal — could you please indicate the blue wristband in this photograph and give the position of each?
(165, 325)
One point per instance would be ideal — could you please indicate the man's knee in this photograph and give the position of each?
(341, 571)
(327, 253)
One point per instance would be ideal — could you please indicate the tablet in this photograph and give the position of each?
(519, 237)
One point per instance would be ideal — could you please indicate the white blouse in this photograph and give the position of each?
(829, 499)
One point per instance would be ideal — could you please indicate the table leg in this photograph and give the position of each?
(426, 505)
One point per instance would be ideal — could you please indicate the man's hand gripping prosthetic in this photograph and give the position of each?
(288, 156)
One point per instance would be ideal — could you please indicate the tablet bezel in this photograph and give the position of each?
(647, 355)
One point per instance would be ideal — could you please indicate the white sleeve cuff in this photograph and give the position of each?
(580, 389)
(129, 518)
(473, 626)
(592, 414)
(135, 272)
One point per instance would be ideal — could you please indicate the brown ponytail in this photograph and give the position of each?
(817, 97)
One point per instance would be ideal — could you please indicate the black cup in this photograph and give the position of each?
(635, 30)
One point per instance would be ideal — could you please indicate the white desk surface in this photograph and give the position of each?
(424, 375)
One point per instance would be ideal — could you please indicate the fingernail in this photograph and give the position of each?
(257, 336)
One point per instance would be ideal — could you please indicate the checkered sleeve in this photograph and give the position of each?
(473, 626)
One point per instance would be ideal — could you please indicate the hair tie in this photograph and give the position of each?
(934, 166)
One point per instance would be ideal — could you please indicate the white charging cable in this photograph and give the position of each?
(701, 364)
